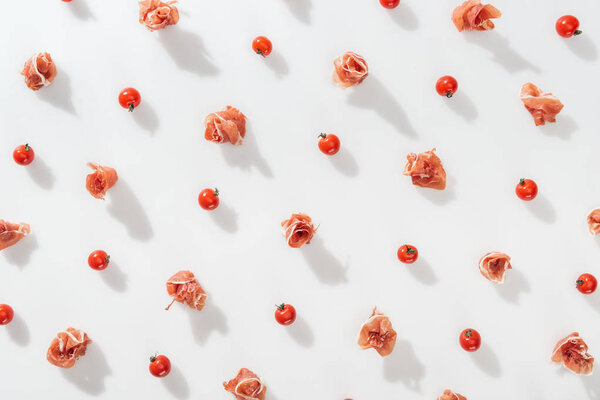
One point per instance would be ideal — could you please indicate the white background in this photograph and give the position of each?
(152, 225)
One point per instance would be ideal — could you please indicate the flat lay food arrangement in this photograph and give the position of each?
(274, 219)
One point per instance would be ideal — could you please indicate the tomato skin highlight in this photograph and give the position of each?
(262, 46)
(130, 98)
(470, 340)
(285, 314)
(408, 254)
(526, 189)
(446, 86)
(329, 143)
(6, 314)
(23, 154)
(586, 283)
(98, 260)
(567, 26)
(209, 199)
(389, 3)
(160, 366)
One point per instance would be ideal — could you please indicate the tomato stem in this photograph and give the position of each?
(323, 135)
(131, 107)
(216, 192)
(258, 51)
(580, 282)
(448, 94)
(27, 148)
(280, 307)
(577, 32)
(152, 358)
(410, 250)
(107, 259)
(522, 182)
(468, 333)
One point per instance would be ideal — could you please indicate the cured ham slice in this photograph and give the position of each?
(426, 170)
(246, 386)
(228, 125)
(184, 288)
(298, 230)
(377, 333)
(572, 353)
(67, 347)
(11, 233)
(543, 107)
(474, 16)
(494, 265)
(350, 69)
(157, 15)
(99, 181)
(450, 395)
(593, 221)
(39, 71)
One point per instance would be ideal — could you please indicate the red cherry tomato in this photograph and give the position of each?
(261, 45)
(6, 314)
(526, 189)
(567, 26)
(160, 366)
(408, 254)
(209, 199)
(285, 314)
(329, 144)
(98, 260)
(470, 340)
(446, 86)
(130, 98)
(587, 283)
(23, 154)
(389, 3)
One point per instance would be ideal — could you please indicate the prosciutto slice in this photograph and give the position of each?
(543, 107)
(99, 181)
(11, 233)
(157, 15)
(228, 125)
(494, 265)
(39, 71)
(298, 230)
(474, 16)
(450, 395)
(571, 352)
(67, 347)
(426, 170)
(246, 386)
(184, 288)
(593, 221)
(377, 333)
(350, 69)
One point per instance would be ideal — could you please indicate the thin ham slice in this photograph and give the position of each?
(11, 233)
(99, 181)
(426, 170)
(67, 347)
(593, 221)
(543, 107)
(474, 16)
(350, 69)
(450, 395)
(494, 265)
(228, 125)
(377, 333)
(571, 352)
(184, 288)
(39, 71)
(155, 14)
(246, 386)
(298, 230)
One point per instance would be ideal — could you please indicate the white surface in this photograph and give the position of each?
(152, 226)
